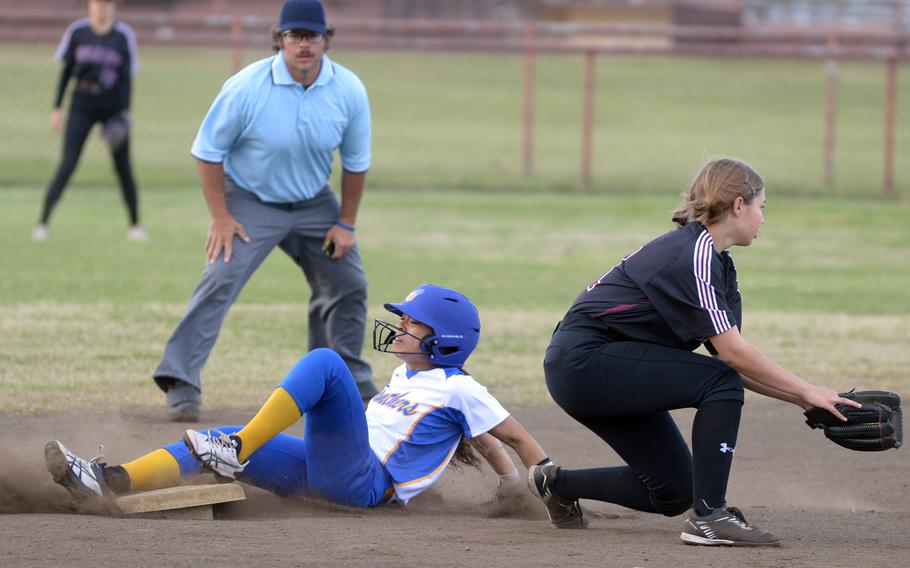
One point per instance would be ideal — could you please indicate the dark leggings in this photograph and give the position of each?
(623, 391)
(78, 125)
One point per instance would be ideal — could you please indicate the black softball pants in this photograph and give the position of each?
(79, 123)
(623, 392)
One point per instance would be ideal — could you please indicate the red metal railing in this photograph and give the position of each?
(889, 45)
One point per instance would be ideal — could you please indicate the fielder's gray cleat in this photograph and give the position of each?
(725, 527)
(183, 402)
(83, 479)
(216, 450)
(564, 513)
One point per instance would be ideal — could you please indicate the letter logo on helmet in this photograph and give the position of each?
(454, 319)
(414, 293)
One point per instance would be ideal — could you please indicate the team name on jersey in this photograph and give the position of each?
(98, 54)
(397, 402)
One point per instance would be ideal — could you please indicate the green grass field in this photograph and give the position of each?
(84, 316)
(445, 120)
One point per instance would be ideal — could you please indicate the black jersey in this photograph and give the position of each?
(676, 290)
(102, 64)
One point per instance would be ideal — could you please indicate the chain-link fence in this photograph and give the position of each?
(505, 105)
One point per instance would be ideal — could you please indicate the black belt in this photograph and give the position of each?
(288, 206)
(292, 206)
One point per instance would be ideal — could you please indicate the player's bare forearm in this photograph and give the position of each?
(492, 451)
(211, 178)
(734, 350)
(750, 361)
(771, 392)
(224, 226)
(339, 239)
(514, 435)
(352, 186)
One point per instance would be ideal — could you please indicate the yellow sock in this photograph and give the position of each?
(153, 471)
(276, 415)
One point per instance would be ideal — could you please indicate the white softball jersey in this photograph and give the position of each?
(417, 420)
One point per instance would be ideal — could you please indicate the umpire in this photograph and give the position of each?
(265, 156)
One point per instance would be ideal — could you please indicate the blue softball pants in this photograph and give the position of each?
(333, 459)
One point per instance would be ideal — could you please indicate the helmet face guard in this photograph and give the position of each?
(452, 317)
(384, 333)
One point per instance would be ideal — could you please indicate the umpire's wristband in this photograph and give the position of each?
(346, 226)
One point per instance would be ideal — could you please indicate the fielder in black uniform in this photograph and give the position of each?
(622, 358)
(100, 54)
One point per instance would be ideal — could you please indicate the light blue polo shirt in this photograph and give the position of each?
(276, 139)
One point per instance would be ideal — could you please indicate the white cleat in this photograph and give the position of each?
(216, 450)
(83, 479)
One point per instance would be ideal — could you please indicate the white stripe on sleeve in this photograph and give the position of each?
(67, 37)
(707, 298)
(131, 45)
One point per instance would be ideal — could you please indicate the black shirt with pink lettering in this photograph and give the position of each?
(102, 65)
(676, 290)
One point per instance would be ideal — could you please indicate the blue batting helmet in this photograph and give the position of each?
(454, 319)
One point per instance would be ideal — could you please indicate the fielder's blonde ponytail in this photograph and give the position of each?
(715, 188)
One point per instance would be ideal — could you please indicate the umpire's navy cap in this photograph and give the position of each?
(303, 15)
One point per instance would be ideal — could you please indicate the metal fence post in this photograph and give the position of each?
(529, 85)
(830, 111)
(587, 120)
(891, 99)
(236, 42)
(890, 117)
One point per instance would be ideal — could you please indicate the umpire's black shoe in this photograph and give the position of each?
(564, 513)
(725, 527)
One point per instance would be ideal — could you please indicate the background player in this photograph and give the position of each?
(622, 357)
(100, 53)
(391, 452)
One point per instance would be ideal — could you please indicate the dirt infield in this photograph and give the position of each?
(832, 507)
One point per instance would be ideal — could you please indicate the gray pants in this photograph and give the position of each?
(338, 304)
